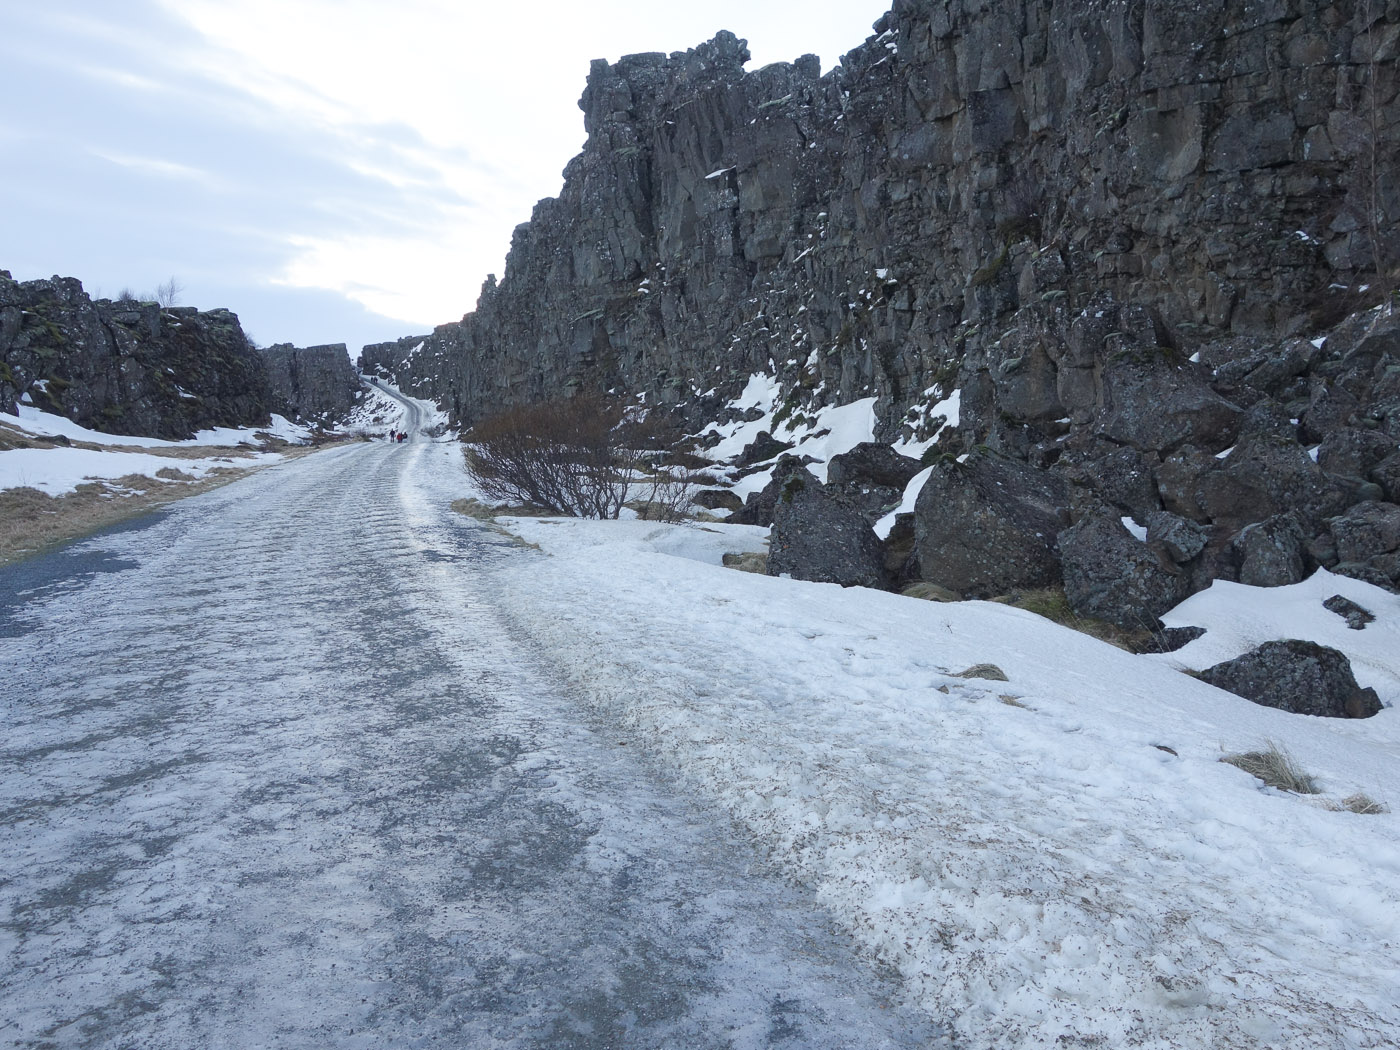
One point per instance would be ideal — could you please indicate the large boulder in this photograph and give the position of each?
(988, 525)
(1302, 677)
(817, 538)
(1151, 405)
(870, 477)
(1110, 574)
(1265, 475)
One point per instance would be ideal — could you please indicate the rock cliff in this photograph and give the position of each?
(126, 367)
(312, 384)
(1151, 245)
(977, 169)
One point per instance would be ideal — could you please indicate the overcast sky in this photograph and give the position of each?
(331, 170)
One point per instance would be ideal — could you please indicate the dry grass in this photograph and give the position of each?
(1051, 603)
(1359, 803)
(1275, 767)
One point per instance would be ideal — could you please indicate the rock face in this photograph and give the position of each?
(1302, 677)
(315, 383)
(126, 367)
(1144, 244)
(1205, 164)
(816, 538)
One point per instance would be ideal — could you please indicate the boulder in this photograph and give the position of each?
(1386, 474)
(1302, 677)
(817, 538)
(1181, 538)
(1152, 406)
(1272, 553)
(1352, 452)
(870, 477)
(717, 499)
(1268, 474)
(1355, 615)
(988, 525)
(1110, 574)
(761, 449)
(1366, 531)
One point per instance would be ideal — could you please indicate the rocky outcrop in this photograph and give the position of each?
(1141, 241)
(1207, 164)
(126, 367)
(1302, 677)
(312, 384)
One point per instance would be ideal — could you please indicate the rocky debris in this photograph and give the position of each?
(870, 478)
(816, 538)
(1111, 575)
(1355, 615)
(314, 383)
(1302, 677)
(988, 525)
(126, 367)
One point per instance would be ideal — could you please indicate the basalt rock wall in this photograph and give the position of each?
(314, 383)
(960, 204)
(126, 367)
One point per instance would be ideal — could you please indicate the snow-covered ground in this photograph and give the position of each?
(62, 469)
(1055, 859)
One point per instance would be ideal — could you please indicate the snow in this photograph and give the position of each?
(1039, 871)
(906, 503)
(61, 470)
(1237, 618)
(1132, 526)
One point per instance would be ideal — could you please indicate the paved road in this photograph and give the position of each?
(274, 773)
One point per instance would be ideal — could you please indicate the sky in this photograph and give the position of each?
(331, 170)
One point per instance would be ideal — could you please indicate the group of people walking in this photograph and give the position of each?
(396, 436)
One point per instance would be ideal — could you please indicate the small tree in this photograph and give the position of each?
(570, 457)
(168, 293)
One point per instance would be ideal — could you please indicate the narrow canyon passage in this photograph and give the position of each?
(274, 772)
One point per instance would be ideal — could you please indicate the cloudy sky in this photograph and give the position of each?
(332, 170)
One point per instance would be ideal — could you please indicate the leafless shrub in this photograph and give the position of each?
(1275, 767)
(168, 292)
(574, 457)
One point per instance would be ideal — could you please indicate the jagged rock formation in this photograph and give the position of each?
(1141, 239)
(312, 384)
(126, 367)
(875, 230)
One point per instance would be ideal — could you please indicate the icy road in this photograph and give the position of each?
(275, 772)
